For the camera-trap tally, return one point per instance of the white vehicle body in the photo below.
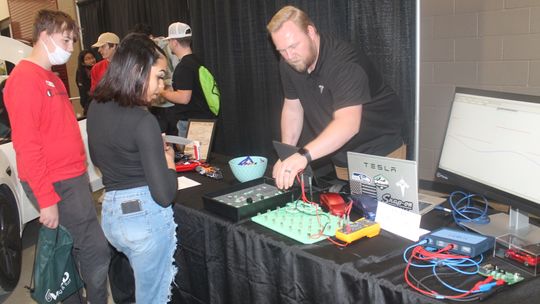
(8, 163)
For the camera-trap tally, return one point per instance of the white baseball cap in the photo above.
(178, 30)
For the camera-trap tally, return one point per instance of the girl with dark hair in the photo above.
(138, 168)
(85, 63)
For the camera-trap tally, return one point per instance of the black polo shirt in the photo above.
(344, 76)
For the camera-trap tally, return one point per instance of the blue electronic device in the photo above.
(464, 243)
(365, 205)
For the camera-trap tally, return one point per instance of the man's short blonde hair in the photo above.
(289, 13)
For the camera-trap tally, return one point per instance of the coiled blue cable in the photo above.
(464, 211)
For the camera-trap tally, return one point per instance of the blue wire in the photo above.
(410, 247)
(450, 286)
(464, 211)
(452, 263)
(462, 263)
(446, 284)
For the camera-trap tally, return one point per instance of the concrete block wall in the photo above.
(487, 44)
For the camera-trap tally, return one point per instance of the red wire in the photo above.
(321, 230)
(406, 275)
(420, 253)
(337, 243)
(306, 200)
(349, 208)
(428, 255)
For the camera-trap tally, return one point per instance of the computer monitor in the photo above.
(492, 148)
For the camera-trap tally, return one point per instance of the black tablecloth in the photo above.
(225, 262)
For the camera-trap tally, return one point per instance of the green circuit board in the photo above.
(500, 274)
(303, 222)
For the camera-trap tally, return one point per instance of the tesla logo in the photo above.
(402, 185)
(380, 167)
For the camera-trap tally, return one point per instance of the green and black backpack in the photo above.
(210, 89)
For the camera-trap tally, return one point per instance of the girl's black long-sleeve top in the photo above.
(125, 143)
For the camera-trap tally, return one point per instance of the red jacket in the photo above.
(97, 72)
(45, 132)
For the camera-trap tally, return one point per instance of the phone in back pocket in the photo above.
(131, 206)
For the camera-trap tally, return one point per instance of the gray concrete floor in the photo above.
(21, 295)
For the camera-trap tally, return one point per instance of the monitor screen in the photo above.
(492, 147)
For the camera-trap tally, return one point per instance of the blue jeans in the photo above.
(147, 237)
(182, 126)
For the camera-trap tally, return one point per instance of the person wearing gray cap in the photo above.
(107, 44)
(186, 92)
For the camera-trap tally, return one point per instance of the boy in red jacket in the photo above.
(51, 160)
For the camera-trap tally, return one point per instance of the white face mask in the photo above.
(58, 56)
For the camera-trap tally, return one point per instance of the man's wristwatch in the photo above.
(305, 153)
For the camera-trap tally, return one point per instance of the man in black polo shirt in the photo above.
(333, 94)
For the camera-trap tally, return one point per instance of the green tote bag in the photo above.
(55, 275)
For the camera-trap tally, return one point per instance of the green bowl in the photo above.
(246, 168)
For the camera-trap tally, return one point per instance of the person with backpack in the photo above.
(162, 109)
(194, 90)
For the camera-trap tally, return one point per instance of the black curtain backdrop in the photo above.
(230, 37)
(120, 16)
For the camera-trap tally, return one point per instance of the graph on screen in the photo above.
(495, 141)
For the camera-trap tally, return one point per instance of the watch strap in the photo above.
(305, 153)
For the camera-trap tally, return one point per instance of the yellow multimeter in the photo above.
(359, 229)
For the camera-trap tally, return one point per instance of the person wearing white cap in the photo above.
(107, 44)
(186, 91)
(162, 109)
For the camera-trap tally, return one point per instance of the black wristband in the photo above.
(305, 153)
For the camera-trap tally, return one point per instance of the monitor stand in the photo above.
(516, 223)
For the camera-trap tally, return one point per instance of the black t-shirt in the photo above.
(344, 76)
(125, 143)
(186, 77)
